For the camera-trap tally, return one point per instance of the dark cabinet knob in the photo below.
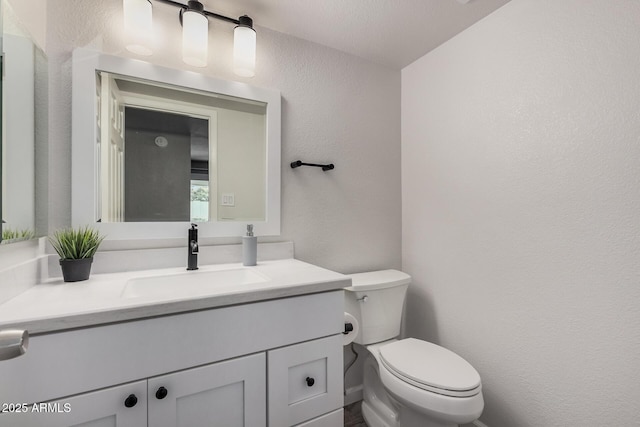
(161, 393)
(348, 327)
(310, 381)
(131, 401)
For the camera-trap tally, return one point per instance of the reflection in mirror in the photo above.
(166, 158)
(2, 235)
(157, 148)
(24, 70)
(170, 154)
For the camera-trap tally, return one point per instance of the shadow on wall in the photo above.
(420, 313)
(498, 404)
(354, 375)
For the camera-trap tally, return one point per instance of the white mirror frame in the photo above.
(84, 177)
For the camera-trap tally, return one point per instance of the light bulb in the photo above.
(138, 24)
(195, 38)
(244, 51)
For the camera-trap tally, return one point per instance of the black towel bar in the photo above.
(299, 163)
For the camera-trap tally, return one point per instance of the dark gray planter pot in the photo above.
(76, 270)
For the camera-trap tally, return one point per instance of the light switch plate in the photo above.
(228, 199)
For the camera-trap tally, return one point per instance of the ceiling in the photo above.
(390, 32)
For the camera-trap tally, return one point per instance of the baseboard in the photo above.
(479, 423)
(354, 394)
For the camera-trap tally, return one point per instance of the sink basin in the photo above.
(191, 283)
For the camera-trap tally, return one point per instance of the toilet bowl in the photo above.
(408, 382)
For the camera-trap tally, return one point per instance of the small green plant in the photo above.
(76, 243)
(10, 234)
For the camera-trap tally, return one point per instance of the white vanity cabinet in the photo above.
(230, 393)
(121, 406)
(208, 367)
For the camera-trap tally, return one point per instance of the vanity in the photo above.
(259, 346)
(226, 345)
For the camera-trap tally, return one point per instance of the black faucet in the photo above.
(192, 248)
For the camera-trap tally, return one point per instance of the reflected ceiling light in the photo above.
(161, 141)
(195, 35)
(138, 25)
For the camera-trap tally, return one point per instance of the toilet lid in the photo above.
(430, 367)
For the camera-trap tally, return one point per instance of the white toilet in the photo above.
(409, 382)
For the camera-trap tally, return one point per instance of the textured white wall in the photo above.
(521, 201)
(336, 108)
(32, 15)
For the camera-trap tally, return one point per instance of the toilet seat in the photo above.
(430, 367)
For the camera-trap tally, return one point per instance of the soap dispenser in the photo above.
(249, 247)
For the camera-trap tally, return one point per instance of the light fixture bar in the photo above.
(205, 12)
(195, 35)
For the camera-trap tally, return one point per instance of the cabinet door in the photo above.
(122, 406)
(305, 380)
(229, 394)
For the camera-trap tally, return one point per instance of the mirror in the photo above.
(156, 148)
(176, 155)
(24, 74)
(2, 168)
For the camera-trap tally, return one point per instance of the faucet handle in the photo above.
(193, 239)
(192, 246)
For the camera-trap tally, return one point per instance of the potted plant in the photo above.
(76, 248)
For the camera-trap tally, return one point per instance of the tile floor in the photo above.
(353, 416)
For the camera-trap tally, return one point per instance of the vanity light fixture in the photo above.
(138, 25)
(244, 47)
(195, 35)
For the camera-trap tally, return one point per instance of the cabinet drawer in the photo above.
(305, 380)
(333, 419)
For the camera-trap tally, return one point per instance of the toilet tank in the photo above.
(376, 300)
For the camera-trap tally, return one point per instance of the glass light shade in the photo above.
(195, 38)
(138, 25)
(244, 51)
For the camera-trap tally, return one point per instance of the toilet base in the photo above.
(406, 417)
(410, 418)
(373, 419)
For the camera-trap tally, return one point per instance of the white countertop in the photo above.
(55, 305)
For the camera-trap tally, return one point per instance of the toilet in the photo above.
(407, 382)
